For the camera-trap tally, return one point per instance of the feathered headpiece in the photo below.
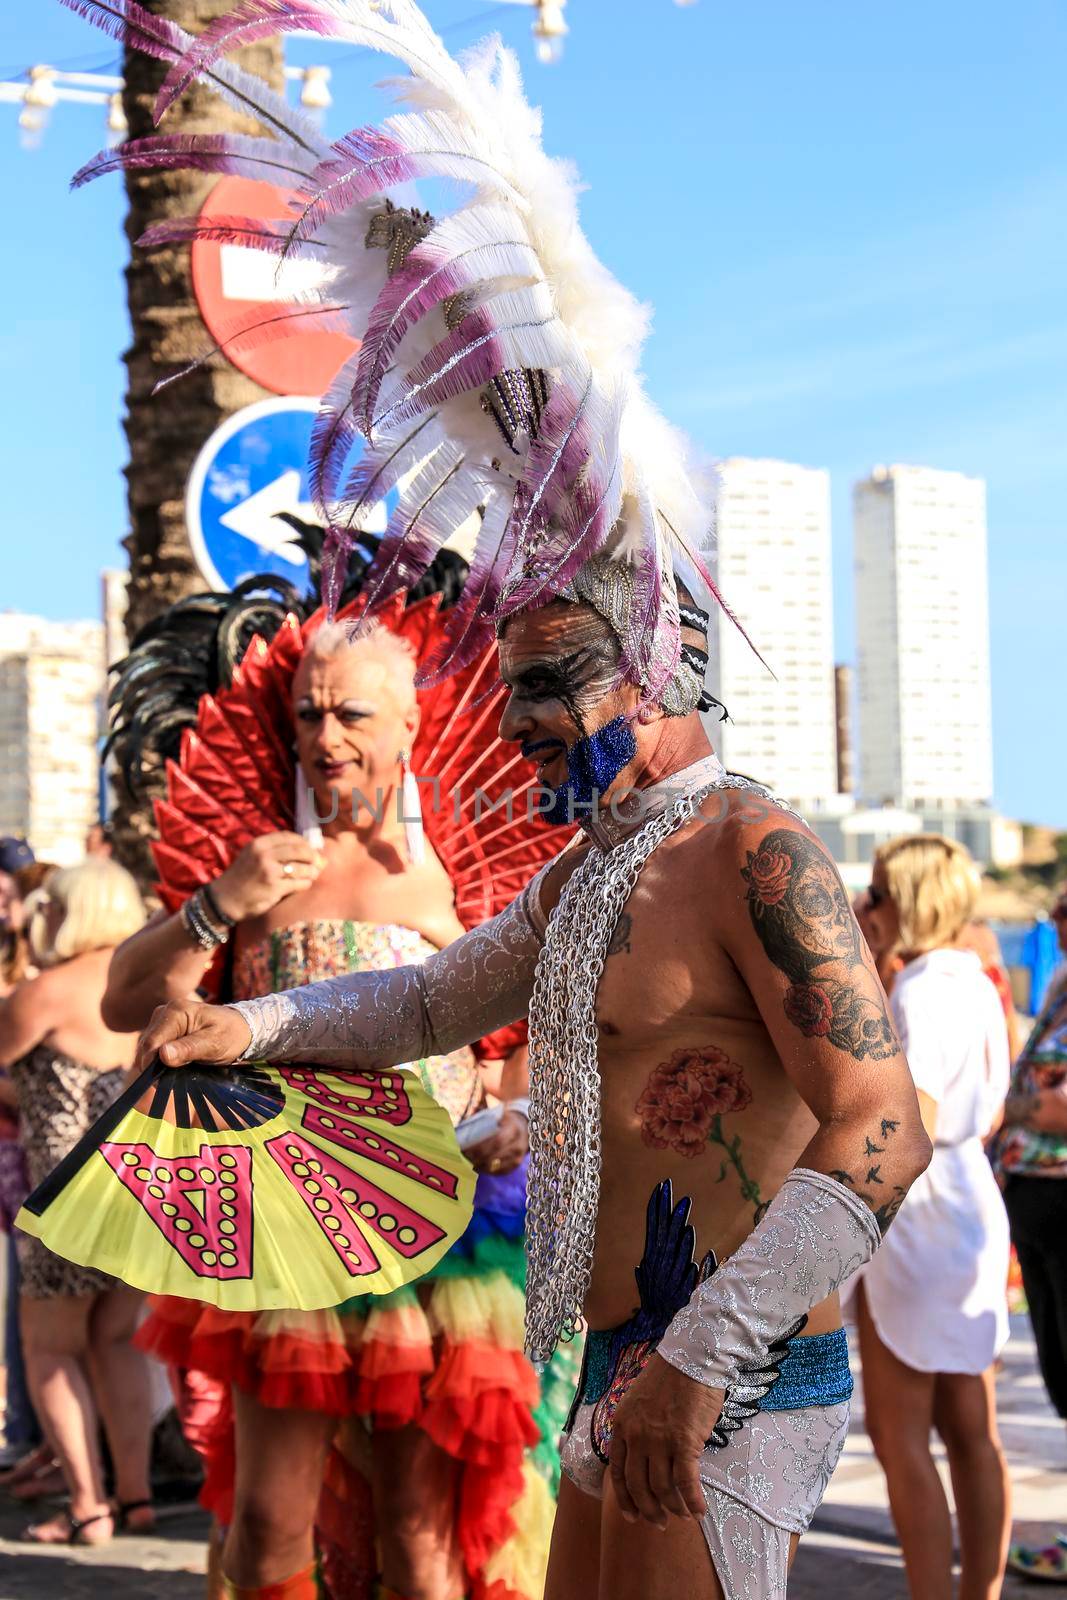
(497, 377)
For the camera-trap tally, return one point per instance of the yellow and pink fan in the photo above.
(260, 1187)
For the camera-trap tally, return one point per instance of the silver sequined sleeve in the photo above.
(815, 1234)
(479, 983)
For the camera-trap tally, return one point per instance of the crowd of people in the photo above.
(272, 1403)
(711, 1112)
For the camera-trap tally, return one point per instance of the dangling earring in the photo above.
(307, 823)
(414, 837)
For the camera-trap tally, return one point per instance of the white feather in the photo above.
(547, 300)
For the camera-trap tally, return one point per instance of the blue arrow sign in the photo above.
(253, 467)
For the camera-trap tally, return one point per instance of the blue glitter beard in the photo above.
(593, 764)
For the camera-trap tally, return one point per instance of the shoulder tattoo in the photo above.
(804, 922)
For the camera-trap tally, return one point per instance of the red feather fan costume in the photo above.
(446, 1356)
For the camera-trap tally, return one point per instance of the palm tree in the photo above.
(165, 431)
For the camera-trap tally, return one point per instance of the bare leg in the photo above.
(55, 1337)
(215, 1582)
(574, 1557)
(415, 1487)
(638, 1562)
(965, 1416)
(899, 1403)
(123, 1393)
(281, 1457)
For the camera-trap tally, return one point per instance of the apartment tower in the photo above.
(771, 559)
(922, 635)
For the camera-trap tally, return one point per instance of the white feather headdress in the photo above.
(498, 368)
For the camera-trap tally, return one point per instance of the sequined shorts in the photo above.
(764, 1483)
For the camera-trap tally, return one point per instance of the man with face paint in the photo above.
(722, 1124)
(714, 1079)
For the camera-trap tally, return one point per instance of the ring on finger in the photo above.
(287, 870)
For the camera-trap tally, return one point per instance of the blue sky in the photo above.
(849, 218)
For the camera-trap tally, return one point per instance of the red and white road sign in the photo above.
(237, 285)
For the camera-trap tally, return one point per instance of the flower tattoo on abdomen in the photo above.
(803, 920)
(682, 1106)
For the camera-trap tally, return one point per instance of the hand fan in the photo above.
(258, 1187)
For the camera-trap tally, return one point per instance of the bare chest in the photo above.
(665, 965)
(373, 888)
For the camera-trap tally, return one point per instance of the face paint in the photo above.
(568, 706)
(593, 764)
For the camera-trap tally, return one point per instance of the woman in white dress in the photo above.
(931, 1306)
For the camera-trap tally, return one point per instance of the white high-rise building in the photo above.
(772, 564)
(51, 691)
(922, 630)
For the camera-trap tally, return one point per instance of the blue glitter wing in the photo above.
(666, 1278)
(667, 1274)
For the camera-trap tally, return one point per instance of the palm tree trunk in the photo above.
(165, 431)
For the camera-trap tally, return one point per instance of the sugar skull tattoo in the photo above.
(802, 918)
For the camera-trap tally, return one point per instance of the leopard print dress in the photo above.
(59, 1099)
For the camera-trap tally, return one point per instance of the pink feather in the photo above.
(716, 594)
(333, 568)
(199, 152)
(139, 29)
(422, 283)
(131, 25)
(250, 334)
(470, 622)
(253, 20)
(258, 235)
(332, 436)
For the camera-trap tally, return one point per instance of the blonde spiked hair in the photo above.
(934, 884)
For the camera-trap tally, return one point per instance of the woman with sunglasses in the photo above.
(932, 1305)
(1031, 1154)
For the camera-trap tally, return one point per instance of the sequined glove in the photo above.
(479, 983)
(815, 1235)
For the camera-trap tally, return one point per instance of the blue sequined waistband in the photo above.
(814, 1371)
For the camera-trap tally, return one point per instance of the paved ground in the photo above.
(850, 1552)
(168, 1567)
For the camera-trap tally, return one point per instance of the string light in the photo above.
(549, 30)
(44, 87)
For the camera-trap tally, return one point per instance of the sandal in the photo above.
(1047, 1565)
(126, 1508)
(37, 1533)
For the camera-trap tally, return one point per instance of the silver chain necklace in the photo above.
(563, 1191)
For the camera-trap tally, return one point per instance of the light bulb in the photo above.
(549, 30)
(41, 90)
(116, 118)
(315, 93)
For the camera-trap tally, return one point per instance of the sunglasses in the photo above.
(876, 897)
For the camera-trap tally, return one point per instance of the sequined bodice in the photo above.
(306, 952)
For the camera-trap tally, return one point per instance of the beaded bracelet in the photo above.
(220, 918)
(199, 924)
